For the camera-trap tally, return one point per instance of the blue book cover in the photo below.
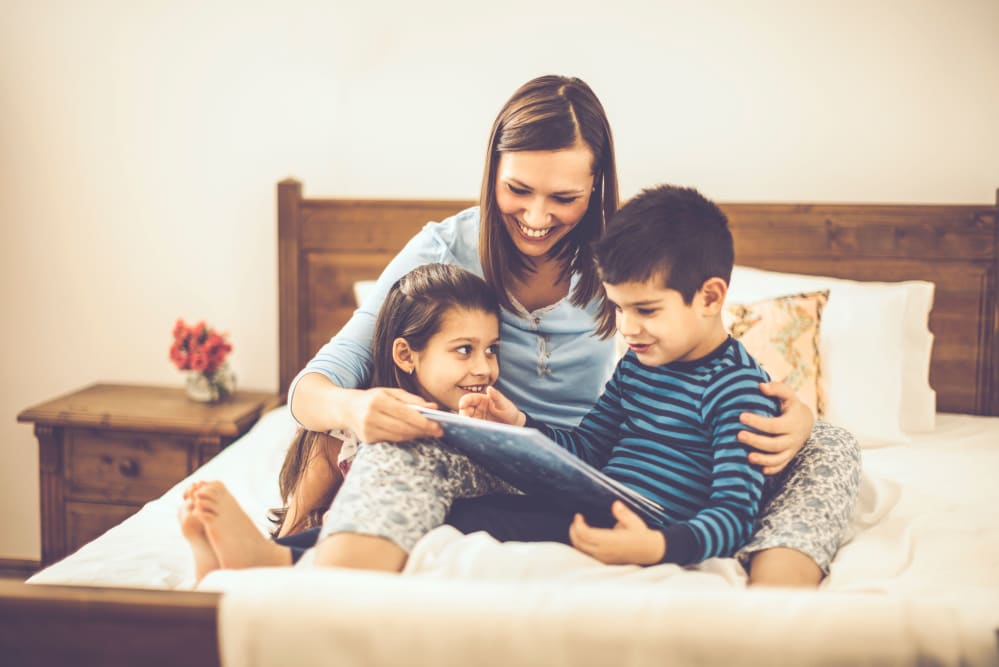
(532, 462)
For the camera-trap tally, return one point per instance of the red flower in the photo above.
(198, 361)
(199, 347)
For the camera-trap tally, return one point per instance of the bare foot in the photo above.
(194, 532)
(235, 539)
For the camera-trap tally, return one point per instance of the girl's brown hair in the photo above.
(307, 451)
(414, 309)
(550, 113)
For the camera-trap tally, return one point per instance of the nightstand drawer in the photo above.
(122, 467)
(85, 521)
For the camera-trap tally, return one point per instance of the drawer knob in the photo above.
(129, 468)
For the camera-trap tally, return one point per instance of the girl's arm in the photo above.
(781, 437)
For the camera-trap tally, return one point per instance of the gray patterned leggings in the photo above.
(402, 491)
(808, 505)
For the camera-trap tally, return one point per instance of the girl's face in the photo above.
(542, 195)
(459, 359)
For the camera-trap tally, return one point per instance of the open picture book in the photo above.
(532, 462)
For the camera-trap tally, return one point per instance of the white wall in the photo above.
(140, 143)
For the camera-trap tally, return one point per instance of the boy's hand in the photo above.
(629, 542)
(492, 406)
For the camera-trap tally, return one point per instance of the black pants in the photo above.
(299, 542)
(508, 518)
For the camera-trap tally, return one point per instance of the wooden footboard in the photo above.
(76, 625)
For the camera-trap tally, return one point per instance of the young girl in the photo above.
(436, 339)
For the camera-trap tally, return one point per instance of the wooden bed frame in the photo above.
(325, 245)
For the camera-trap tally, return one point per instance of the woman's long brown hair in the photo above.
(550, 113)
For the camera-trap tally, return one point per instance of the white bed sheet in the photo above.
(147, 550)
(918, 581)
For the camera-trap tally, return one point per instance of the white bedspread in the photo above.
(919, 581)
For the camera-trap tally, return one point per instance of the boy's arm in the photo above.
(592, 440)
(726, 523)
(597, 434)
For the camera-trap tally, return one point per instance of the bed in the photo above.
(917, 583)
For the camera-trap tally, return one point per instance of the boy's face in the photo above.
(658, 326)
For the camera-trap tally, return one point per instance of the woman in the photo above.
(549, 185)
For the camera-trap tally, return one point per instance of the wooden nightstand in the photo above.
(106, 450)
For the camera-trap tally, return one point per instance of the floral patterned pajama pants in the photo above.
(808, 505)
(402, 491)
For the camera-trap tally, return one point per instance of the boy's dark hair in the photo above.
(668, 232)
(414, 309)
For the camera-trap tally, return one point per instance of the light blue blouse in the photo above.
(552, 366)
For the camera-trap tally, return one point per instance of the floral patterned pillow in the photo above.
(782, 333)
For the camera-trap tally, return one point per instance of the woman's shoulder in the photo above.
(455, 229)
(459, 234)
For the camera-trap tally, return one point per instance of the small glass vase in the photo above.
(210, 388)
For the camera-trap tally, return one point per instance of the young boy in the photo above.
(667, 421)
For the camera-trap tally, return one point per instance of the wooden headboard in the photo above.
(325, 245)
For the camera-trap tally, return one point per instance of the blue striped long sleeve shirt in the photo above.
(669, 433)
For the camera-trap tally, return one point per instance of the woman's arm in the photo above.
(326, 394)
(786, 433)
(373, 415)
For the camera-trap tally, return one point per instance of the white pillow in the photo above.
(875, 348)
(919, 400)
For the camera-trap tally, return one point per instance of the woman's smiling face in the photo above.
(542, 195)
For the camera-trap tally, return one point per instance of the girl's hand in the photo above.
(787, 432)
(383, 414)
(492, 406)
(629, 542)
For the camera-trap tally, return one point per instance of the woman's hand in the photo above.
(779, 437)
(492, 406)
(629, 542)
(381, 414)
